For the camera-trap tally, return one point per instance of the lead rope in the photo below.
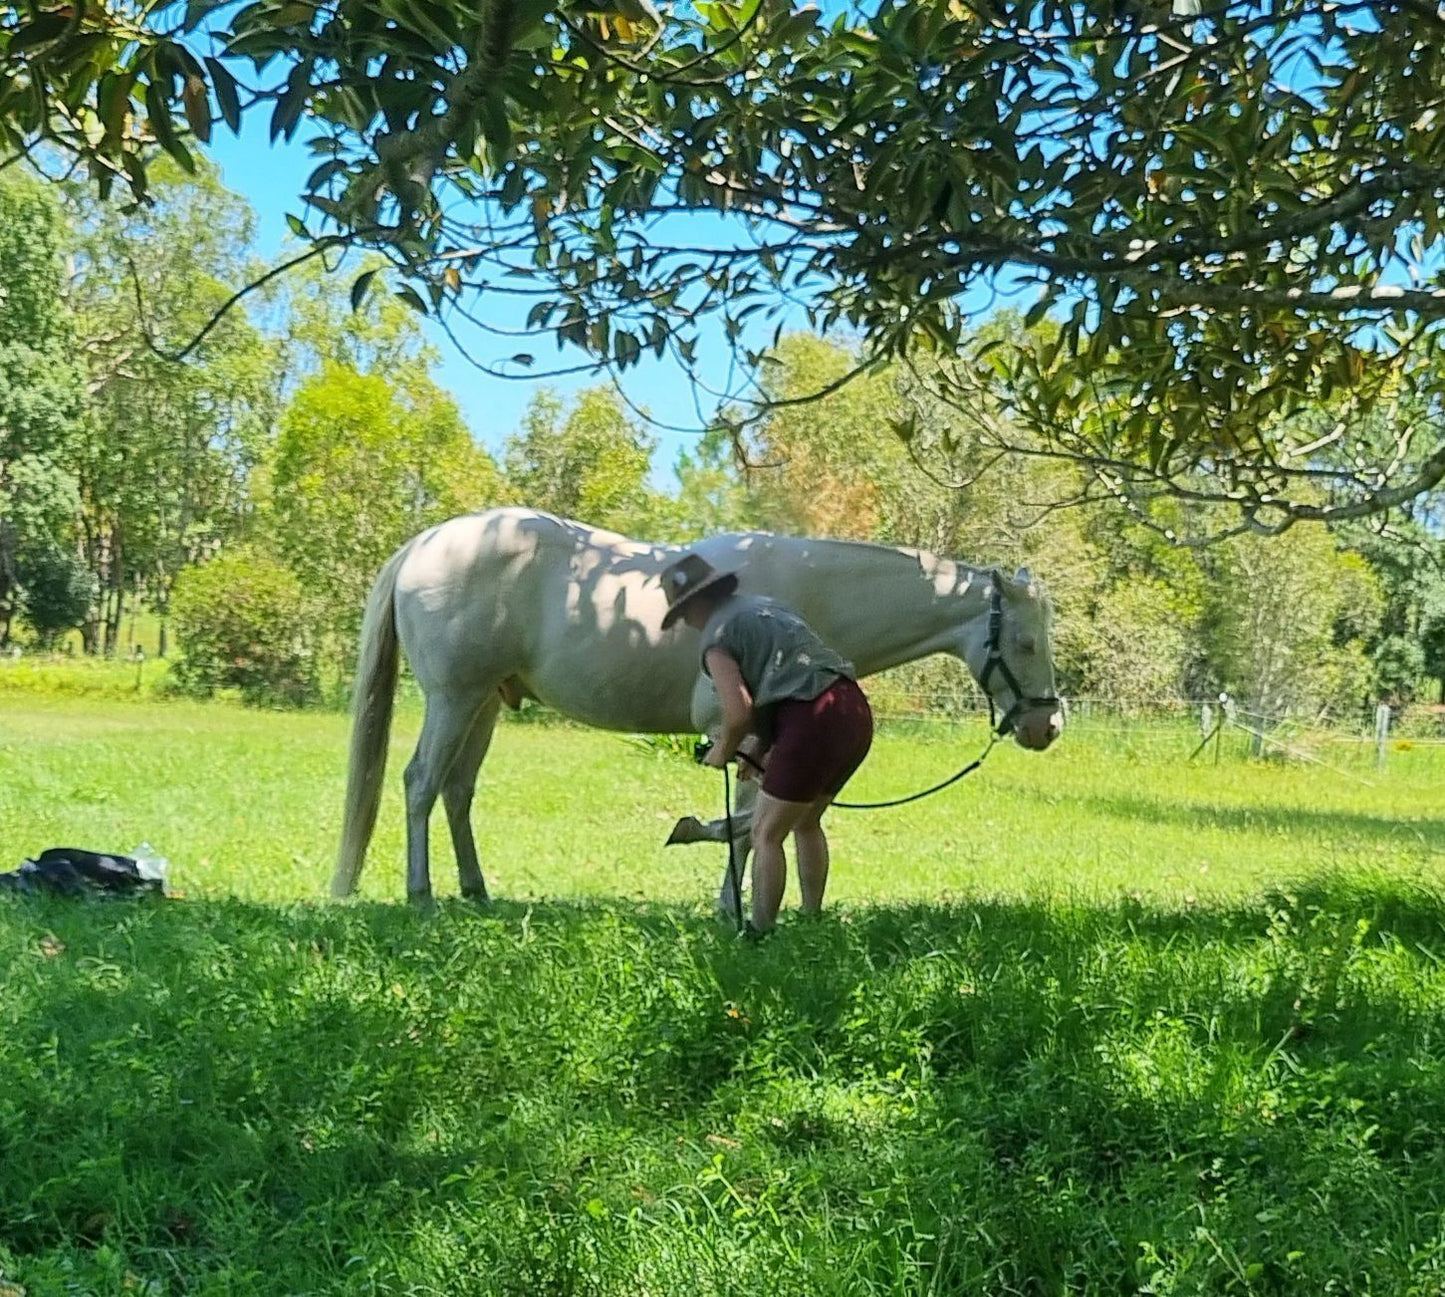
(927, 792)
(734, 874)
(733, 871)
(952, 779)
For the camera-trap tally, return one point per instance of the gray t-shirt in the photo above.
(775, 649)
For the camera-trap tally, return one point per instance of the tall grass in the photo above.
(1097, 1021)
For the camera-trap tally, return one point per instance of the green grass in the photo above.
(1094, 1021)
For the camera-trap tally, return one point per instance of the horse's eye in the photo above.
(1027, 643)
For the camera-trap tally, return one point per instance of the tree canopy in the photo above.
(1233, 211)
(40, 397)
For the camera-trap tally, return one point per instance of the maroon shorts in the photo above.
(818, 743)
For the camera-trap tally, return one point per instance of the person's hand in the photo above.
(751, 761)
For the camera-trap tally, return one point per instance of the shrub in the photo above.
(58, 589)
(241, 624)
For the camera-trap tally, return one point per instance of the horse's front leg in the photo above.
(729, 900)
(706, 718)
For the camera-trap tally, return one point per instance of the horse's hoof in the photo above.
(477, 895)
(422, 902)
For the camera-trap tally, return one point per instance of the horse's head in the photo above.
(1013, 660)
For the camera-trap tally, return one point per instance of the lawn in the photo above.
(1099, 1020)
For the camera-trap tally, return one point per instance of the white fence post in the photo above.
(1382, 733)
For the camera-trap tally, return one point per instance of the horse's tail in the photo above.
(376, 671)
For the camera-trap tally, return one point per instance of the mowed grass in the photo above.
(1097, 1020)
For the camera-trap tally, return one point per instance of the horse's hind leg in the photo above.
(457, 791)
(444, 732)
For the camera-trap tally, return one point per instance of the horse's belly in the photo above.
(647, 696)
(613, 708)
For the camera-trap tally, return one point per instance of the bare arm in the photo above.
(737, 704)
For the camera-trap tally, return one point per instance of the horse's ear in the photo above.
(1023, 577)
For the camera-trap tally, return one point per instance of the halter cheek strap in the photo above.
(994, 662)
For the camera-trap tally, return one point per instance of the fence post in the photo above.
(1382, 733)
(1219, 729)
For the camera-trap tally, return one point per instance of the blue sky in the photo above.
(271, 177)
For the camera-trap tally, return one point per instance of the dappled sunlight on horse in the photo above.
(512, 603)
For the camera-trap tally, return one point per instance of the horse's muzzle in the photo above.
(1038, 728)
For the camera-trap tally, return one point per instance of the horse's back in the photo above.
(568, 613)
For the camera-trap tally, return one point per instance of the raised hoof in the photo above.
(687, 829)
(690, 829)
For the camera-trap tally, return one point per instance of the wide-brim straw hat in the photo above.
(689, 577)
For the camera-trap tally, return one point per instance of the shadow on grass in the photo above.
(986, 1094)
(1424, 831)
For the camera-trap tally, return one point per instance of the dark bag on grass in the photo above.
(71, 871)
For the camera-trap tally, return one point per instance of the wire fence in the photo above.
(1361, 746)
(937, 699)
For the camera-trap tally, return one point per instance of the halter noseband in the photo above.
(995, 662)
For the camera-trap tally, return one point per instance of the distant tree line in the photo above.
(245, 498)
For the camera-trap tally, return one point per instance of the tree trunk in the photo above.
(7, 579)
(115, 597)
(115, 612)
(94, 550)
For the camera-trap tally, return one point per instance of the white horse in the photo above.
(513, 603)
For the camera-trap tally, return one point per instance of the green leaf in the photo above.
(228, 99)
(158, 115)
(1038, 310)
(625, 348)
(359, 287)
(294, 14)
(45, 28)
(496, 127)
(326, 171)
(197, 105)
(113, 103)
(286, 116)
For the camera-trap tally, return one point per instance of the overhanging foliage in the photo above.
(1234, 212)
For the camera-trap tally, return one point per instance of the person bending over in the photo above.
(791, 704)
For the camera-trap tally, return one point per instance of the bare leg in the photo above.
(457, 793)
(773, 820)
(443, 732)
(812, 847)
